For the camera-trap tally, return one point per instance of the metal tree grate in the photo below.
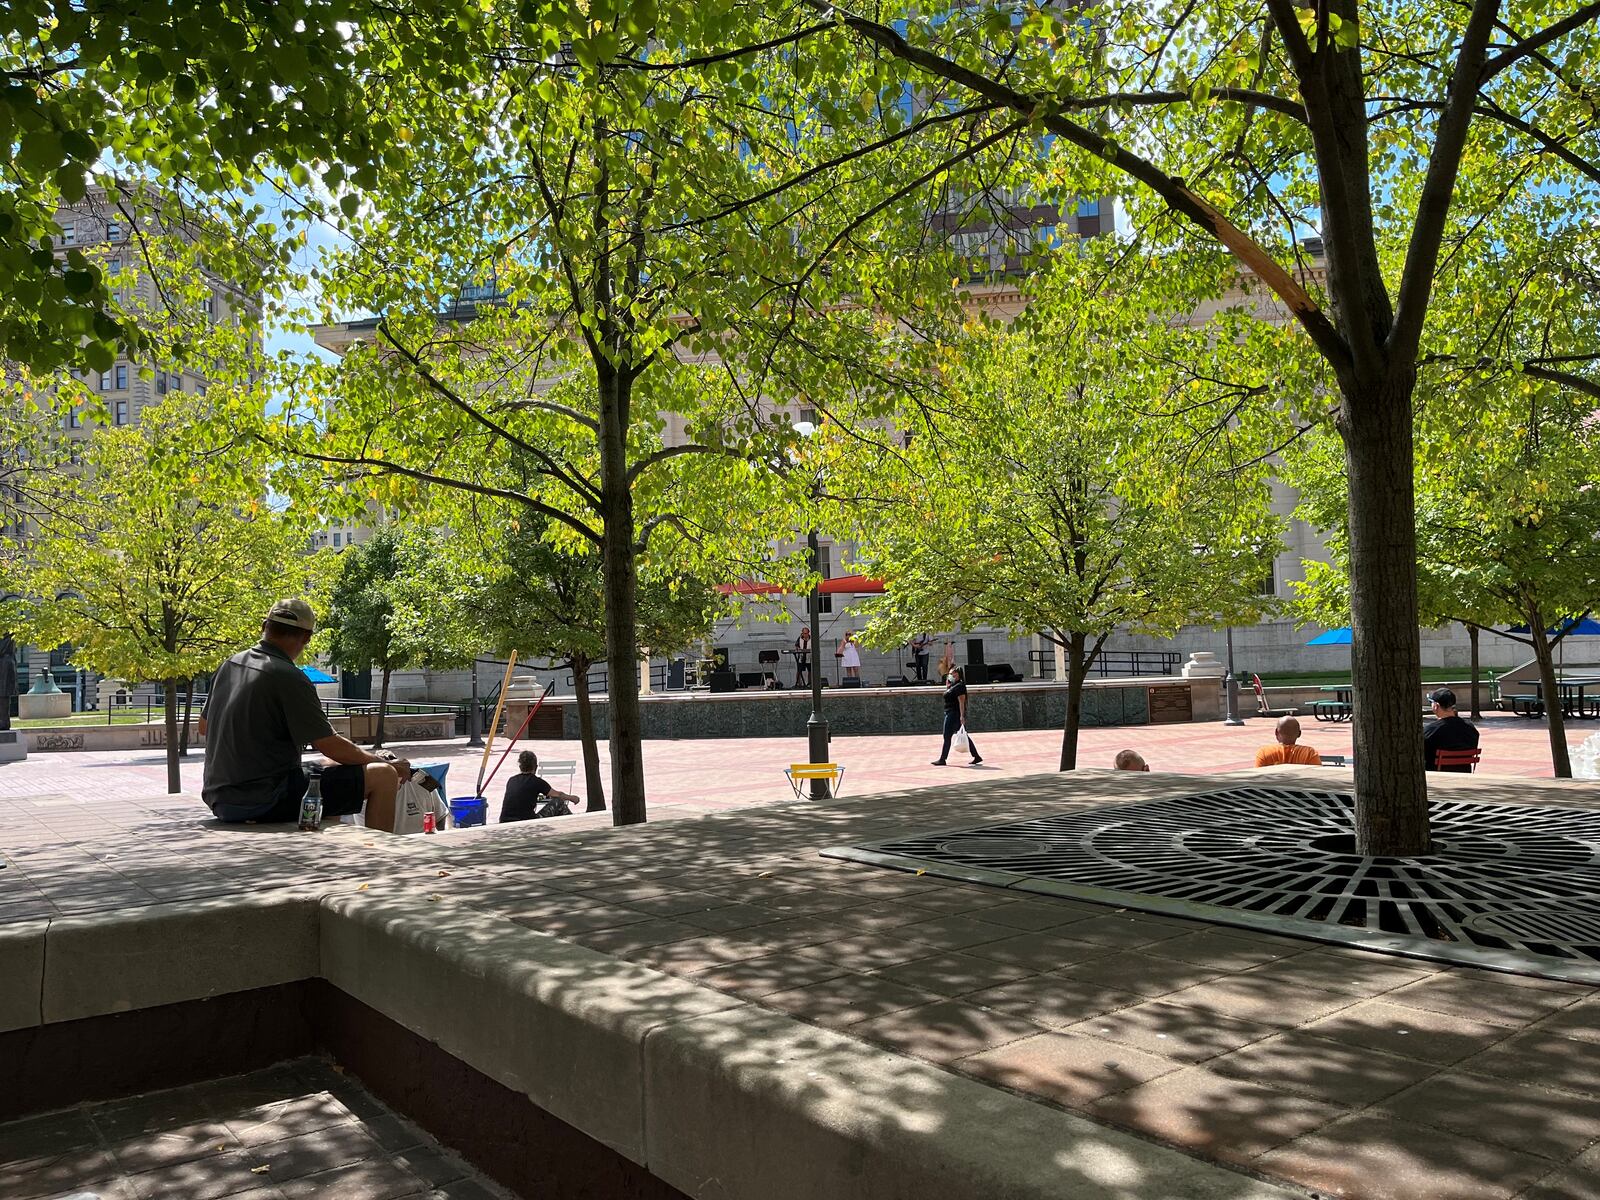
(1512, 887)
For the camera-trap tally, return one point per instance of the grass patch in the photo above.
(79, 719)
(1342, 678)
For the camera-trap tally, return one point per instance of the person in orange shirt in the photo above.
(1287, 750)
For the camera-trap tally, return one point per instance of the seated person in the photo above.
(262, 709)
(524, 791)
(1286, 750)
(1130, 760)
(1447, 731)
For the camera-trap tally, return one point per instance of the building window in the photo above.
(122, 377)
(113, 231)
(105, 381)
(825, 569)
(174, 381)
(69, 233)
(1269, 582)
(210, 304)
(336, 541)
(120, 412)
(74, 418)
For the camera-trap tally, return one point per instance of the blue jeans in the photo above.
(952, 722)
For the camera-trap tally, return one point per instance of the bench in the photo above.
(1331, 710)
(1525, 704)
(799, 774)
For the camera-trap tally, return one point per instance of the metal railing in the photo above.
(1119, 662)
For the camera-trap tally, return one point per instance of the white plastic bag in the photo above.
(411, 803)
(959, 742)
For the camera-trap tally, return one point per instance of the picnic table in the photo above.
(1574, 703)
(1337, 709)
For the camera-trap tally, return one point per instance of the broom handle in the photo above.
(499, 705)
(511, 745)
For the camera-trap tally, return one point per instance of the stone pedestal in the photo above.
(520, 697)
(1203, 664)
(12, 746)
(33, 705)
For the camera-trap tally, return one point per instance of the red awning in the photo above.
(845, 585)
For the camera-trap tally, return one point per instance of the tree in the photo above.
(1507, 514)
(600, 299)
(160, 556)
(360, 630)
(182, 99)
(1096, 470)
(1402, 134)
(500, 586)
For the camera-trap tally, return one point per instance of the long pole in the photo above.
(499, 705)
(1231, 687)
(816, 727)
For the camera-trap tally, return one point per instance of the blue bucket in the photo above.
(466, 811)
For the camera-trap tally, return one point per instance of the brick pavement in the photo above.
(1352, 1073)
(297, 1130)
(721, 773)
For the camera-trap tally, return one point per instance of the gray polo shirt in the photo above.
(261, 711)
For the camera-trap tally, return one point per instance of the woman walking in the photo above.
(955, 715)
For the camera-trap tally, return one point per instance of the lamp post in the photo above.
(1230, 687)
(816, 726)
(475, 716)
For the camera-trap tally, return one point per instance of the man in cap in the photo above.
(1449, 730)
(262, 709)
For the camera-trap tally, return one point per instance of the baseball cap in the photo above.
(294, 612)
(1443, 697)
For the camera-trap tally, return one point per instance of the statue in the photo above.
(8, 678)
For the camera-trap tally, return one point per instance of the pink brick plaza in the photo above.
(733, 773)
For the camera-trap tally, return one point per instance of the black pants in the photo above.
(344, 792)
(952, 722)
(922, 667)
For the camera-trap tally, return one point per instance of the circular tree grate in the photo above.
(1512, 886)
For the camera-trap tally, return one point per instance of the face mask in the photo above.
(949, 678)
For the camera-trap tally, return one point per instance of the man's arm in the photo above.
(343, 750)
(564, 797)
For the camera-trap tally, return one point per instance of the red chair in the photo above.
(1262, 708)
(1445, 760)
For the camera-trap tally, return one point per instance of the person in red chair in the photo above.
(1286, 750)
(1447, 731)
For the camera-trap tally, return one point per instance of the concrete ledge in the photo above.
(750, 1104)
(166, 953)
(21, 974)
(560, 1023)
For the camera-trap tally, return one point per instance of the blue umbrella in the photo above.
(1584, 626)
(1334, 637)
(318, 675)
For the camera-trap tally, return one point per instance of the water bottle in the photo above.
(311, 806)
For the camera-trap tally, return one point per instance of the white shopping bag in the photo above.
(959, 742)
(412, 803)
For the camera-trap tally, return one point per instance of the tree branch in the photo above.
(1177, 195)
(1433, 206)
(1529, 45)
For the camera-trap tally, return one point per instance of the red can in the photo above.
(427, 822)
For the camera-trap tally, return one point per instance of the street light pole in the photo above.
(816, 727)
(475, 717)
(1230, 685)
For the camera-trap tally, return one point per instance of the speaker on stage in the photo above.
(977, 672)
(724, 681)
(974, 650)
(675, 675)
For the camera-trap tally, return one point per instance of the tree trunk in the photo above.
(169, 689)
(594, 786)
(188, 713)
(1472, 640)
(621, 577)
(383, 709)
(1555, 719)
(1386, 661)
(1077, 671)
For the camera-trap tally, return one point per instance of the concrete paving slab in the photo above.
(746, 1103)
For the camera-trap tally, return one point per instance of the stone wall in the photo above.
(859, 711)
